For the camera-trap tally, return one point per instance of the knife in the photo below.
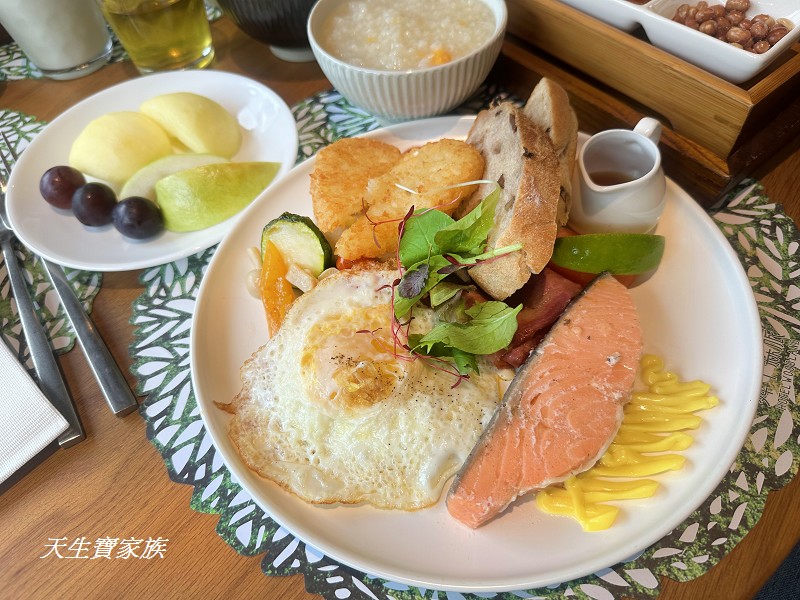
(44, 362)
(116, 391)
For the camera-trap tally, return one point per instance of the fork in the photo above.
(113, 385)
(44, 362)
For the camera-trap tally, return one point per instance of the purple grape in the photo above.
(93, 203)
(138, 218)
(58, 184)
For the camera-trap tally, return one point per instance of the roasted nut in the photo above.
(709, 27)
(761, 46)
(759, 30)
(776, 34)
(730, 23)
(766, 19)
(737, 35)
(742, 5)
(704, 14)
(735, 16)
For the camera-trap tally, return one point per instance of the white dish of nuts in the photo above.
(733, 39)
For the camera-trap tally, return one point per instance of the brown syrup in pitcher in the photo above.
(606, 178)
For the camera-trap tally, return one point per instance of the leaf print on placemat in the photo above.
(20, 129)
(767, 243)
(762, 235)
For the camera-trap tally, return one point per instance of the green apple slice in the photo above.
(617, 253)
(204, 196)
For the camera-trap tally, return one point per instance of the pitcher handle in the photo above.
(649, 128)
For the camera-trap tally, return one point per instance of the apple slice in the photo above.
(201, 124)
(204, 196)
(143, 182)
(116, 145)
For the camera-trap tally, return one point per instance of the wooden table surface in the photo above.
(115, 482)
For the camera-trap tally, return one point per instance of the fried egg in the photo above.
(331, 412)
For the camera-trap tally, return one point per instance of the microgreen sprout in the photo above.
(433, 246)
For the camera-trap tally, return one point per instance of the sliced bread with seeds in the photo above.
(521, 159)
(548, 107)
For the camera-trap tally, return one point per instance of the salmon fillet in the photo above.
(562, 409)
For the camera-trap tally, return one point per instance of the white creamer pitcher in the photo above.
(622, 185)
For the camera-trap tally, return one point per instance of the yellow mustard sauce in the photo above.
(652, 432)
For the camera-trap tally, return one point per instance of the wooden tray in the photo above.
(717, 132)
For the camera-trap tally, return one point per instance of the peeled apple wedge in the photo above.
(204, 196)
(116, 145)
(143, 182)
(197, 122)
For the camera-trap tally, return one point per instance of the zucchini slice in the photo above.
(300, 242)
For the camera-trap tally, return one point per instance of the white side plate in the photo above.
(269, 134)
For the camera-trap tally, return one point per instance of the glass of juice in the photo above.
(161, 35)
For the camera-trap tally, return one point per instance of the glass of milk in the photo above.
(65, 39)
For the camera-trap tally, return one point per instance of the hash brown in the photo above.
(431, 171)
(340, 175)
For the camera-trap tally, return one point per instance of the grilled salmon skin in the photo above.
(562, 409)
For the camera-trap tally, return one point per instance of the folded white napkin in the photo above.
(28, 422)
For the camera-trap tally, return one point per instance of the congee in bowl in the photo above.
(407, 60)
(398, 36)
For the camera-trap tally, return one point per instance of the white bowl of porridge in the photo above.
(410, 59)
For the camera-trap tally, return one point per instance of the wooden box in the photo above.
(716, 132)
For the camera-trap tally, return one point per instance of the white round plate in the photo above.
(269, 134)
(697, 312)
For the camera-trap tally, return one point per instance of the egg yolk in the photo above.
(352, 358)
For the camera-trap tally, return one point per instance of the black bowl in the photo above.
(281, 24)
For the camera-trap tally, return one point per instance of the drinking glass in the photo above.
(161, 35)
(65, 39)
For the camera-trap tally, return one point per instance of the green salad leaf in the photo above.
(490, 328)
(469, 234)
(433, 246)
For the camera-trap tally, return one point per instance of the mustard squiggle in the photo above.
(653, 431)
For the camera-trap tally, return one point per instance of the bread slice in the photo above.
(520, 157)
(341, 173)
(548, 107)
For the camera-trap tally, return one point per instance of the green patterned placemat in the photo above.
(20, 129)
(767, 243)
